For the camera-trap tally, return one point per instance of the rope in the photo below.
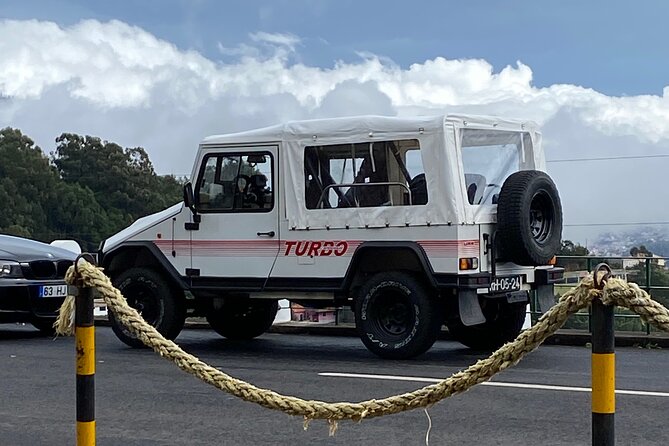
(615, 292)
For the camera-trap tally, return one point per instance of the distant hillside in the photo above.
(656, 240)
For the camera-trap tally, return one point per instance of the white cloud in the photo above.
(122, 83)
(287, 40)
(113, 64)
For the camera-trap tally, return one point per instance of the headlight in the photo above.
(10, 270)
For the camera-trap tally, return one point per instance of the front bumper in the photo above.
(20, 300)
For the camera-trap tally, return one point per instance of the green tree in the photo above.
(120, 179)
(86, 191)
(26, 184)
(570, 249)
(641, 251)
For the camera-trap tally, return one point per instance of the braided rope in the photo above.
(615, 292)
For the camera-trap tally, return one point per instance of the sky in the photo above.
(162, 74)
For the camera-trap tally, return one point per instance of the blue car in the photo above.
(32, 285)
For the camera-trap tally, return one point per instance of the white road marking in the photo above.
(490, 383)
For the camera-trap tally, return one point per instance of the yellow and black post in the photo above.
(85, 344)
(603, 370)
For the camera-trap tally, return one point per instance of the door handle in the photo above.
(266, 234)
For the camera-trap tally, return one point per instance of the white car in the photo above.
(413, 222)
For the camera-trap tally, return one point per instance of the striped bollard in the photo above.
(85, 346)
(603, 369)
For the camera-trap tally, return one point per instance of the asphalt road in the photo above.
(144, 400)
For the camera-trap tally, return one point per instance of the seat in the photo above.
(418, 188)
(258, 188)
(476, 185)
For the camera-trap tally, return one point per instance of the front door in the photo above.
(237, 239)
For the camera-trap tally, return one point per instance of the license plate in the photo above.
(505, 284)
(53, 291)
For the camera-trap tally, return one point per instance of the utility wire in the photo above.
(642, 223)
(607, 158)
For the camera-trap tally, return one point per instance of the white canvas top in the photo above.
(333, 128)
(439, 138)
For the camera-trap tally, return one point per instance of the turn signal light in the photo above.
(469, 263)
(553, 261)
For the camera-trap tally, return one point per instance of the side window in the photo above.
(369, 174)
(488, 158)
(235, 183)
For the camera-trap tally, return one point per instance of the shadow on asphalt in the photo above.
(19, 331)
(309, 349)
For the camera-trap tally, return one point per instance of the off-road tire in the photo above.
(396, 315)
(504, 321)
(242, 319)
(529, 219)
(156, 299)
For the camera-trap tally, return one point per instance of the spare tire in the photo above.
(529, 219)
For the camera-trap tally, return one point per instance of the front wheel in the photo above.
(155, 299)
(396, 316)
(504, 322)
(242, 319)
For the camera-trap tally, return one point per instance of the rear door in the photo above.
(237, 240)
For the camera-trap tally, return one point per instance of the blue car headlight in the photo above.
(10, 270)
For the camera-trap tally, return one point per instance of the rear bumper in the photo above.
(541, 276)
(548, 276)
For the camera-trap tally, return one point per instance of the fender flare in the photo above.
(413, 247)
(105, 259)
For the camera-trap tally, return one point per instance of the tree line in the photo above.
(86, 189)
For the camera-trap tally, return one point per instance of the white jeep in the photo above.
(412, 222)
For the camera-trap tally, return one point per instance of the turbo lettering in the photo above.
(319, 248)
(315, 246)
(289, 246)
(327, 248)
(342, 247)
(301, 248)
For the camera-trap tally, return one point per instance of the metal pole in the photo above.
(589, 268)
(85, 345)
(648, 285)
(603, 375)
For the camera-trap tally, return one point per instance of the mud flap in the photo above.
(470, 309)
(545, 297)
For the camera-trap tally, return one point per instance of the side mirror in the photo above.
(189, 199)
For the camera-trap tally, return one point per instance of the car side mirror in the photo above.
(189, 199)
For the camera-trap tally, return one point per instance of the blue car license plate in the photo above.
(53, 291)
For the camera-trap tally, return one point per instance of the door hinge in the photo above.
(193, 272)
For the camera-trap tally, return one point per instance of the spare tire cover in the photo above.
(529, 219)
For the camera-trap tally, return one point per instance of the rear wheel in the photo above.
(397, 316)
(242, 319)
(504, 321)
(155, 299)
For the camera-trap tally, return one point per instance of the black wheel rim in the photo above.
(541, 217)
(144, 299)
(392, 313)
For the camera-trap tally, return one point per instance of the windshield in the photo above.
(488, 158)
